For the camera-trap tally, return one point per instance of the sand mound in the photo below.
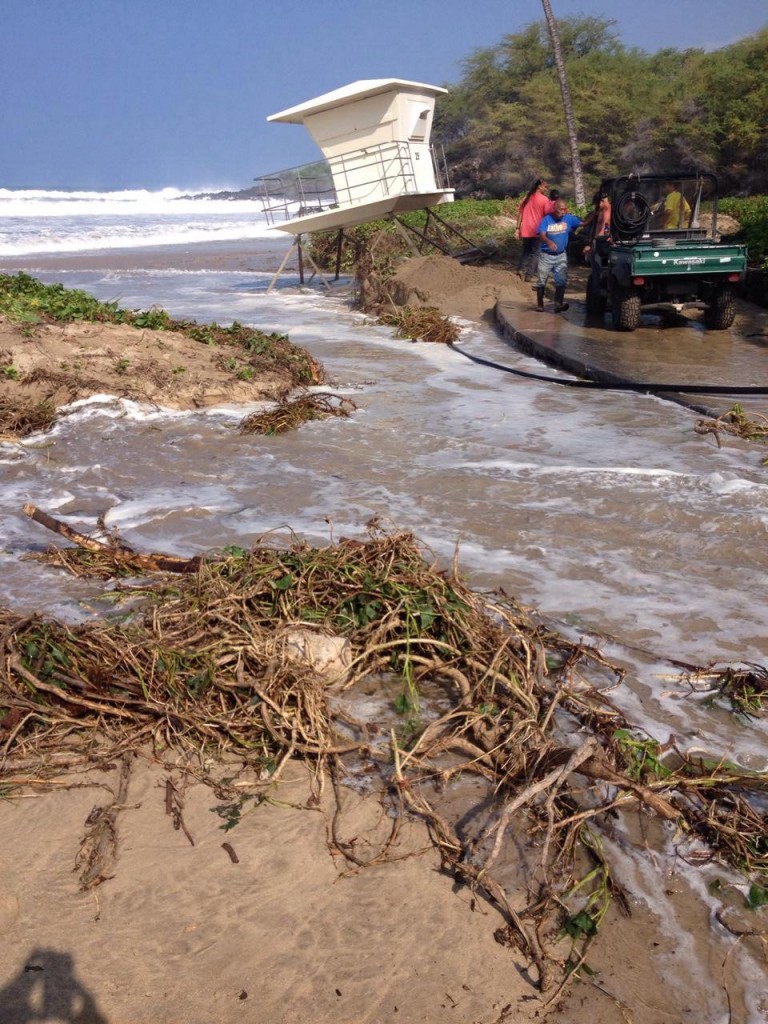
(457, 290)
(64, 362)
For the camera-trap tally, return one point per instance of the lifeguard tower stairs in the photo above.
(377, 162)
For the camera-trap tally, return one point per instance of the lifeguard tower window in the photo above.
(419, 132)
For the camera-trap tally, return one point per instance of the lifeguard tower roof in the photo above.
(349, 93)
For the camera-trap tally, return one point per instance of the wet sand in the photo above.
(261, 255)
(183, 933)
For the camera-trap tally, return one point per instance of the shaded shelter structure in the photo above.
(375, 139)
(378, 161)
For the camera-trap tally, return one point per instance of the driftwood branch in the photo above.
(98, 849)
(122, 554)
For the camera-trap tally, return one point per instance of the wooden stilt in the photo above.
(303, 255)
(377, 238)
(408, 238)
(317, 271)
(339, 243)
(279, 270)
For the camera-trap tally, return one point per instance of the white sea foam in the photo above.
(730, 484)
(36, 222)
(610, 472)
(164, 502)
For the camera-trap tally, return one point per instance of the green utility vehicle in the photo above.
(663, 253)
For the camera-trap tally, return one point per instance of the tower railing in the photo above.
(350, 179)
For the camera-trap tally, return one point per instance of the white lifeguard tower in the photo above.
(375, 139)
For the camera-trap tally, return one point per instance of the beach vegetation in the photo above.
(420, 323)
(640, 756)
(744, 688)
(19, 418)
(751, 214)
(249, 354)
(200, 662)
(591, 897)
(757, 896)
(23, 299)
(738, 423)
(233, 811)
(154, 319)
(290, 413)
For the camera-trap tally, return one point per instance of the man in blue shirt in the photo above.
(554, 231)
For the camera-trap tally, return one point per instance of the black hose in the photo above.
(631, 213)
(596, 385)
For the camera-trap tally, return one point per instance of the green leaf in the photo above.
(757, 896)
(427, 616)
(581, 924)
(284, 583)
(404, 704)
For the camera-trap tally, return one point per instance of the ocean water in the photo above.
(35, 221)
(604, 511)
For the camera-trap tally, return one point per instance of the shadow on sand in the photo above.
(46, 989)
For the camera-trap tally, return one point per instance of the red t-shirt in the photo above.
(531, 215)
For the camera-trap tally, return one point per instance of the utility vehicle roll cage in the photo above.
(661, 205)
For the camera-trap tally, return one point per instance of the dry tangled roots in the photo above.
(216, 660)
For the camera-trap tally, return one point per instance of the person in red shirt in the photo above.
(532, 209)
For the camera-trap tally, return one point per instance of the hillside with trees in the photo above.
(502, 124)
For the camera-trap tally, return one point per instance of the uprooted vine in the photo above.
(204, 660)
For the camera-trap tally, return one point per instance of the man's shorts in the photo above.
(556, 264)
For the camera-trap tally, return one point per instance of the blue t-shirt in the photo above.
(558, 230)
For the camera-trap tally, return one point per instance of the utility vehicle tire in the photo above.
(625, 309)
(721, 312)
(595, 301)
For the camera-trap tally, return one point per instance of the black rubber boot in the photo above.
(560, 306)
(540, 299)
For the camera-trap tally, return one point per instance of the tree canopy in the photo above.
(502, 124)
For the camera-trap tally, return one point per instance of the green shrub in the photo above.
(752, 215)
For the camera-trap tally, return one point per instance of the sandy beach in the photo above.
(266, 923)
(183, 933)
(259, 255)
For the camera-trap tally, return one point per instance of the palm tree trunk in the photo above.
(570, 121)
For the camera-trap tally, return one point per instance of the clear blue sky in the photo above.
(148, 93)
